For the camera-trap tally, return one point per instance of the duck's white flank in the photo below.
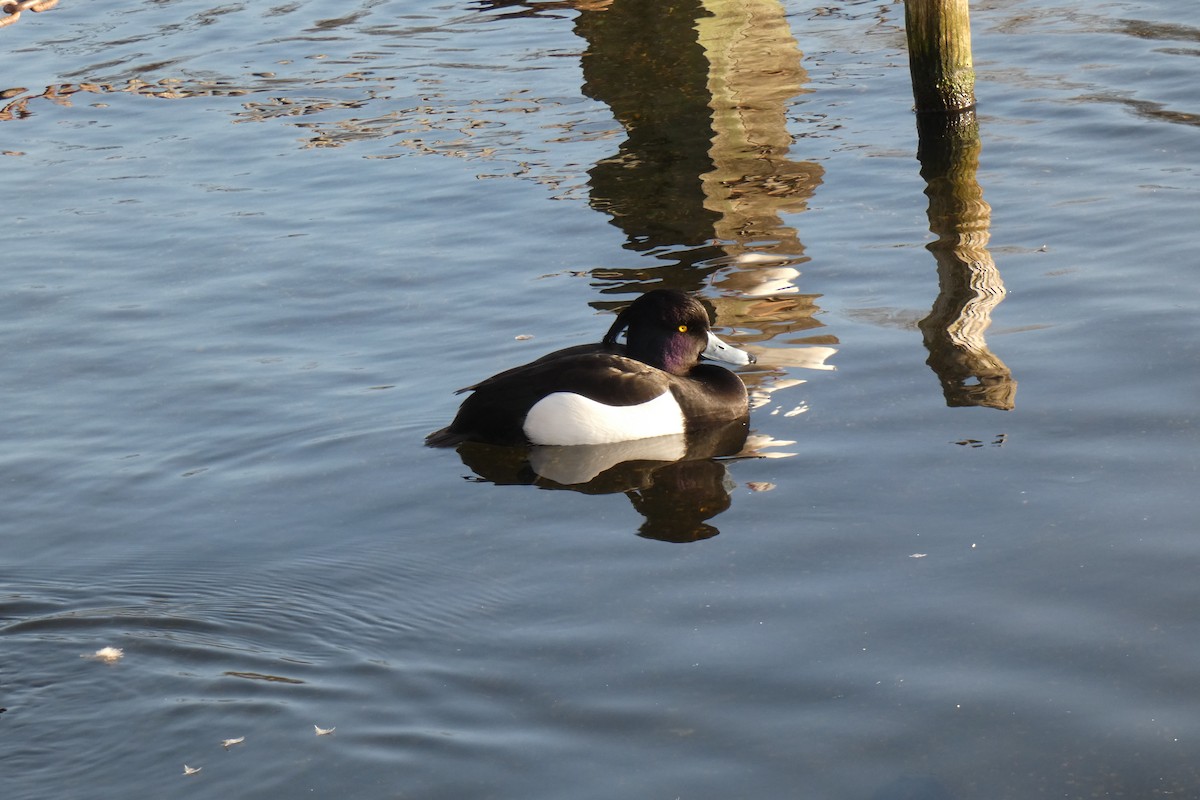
(567, 418)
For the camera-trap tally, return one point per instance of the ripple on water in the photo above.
(237, 651)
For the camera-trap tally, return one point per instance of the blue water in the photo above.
(250, 251)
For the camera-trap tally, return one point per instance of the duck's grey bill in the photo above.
(722, 351)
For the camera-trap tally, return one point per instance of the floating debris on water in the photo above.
(109, 654)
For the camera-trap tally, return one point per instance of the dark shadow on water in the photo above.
(678, 483)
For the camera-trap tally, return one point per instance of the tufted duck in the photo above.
(596, 394)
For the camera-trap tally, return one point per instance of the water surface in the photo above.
(252, 250)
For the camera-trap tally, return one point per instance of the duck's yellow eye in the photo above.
(683, 328)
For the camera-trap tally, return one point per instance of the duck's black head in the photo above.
(668, 329)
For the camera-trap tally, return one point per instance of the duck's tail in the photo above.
(445, 438)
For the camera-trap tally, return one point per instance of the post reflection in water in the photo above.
(969, 284)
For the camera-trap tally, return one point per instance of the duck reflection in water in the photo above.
(676, 482)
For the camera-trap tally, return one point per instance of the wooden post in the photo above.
(939, 54)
